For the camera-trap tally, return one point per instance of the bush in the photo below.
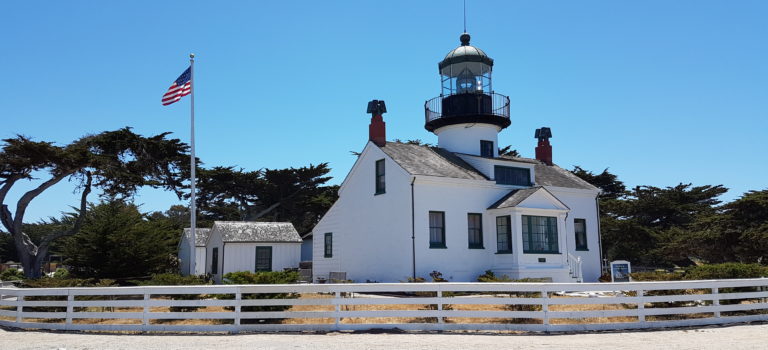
(61, 273)
(11, 274)
(273, 277)
(172, 279)
(489, 276)
(48, 282)
(726, 271)
(656, 276)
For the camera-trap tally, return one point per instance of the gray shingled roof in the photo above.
(201, 235)
(430, 161)
(433, 161)
(253, 231)
(514, 197)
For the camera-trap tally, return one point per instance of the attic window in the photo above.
(381, 185)
(486, 149)
(507, 175)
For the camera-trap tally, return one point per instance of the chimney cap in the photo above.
(377, 107)
(543, 133)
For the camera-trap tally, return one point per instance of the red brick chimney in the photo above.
(544, 149)
(377, 130)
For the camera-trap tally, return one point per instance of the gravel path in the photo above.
(731, 338)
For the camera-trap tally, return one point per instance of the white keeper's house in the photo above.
(405, 210)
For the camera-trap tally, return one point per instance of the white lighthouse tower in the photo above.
(468, 115)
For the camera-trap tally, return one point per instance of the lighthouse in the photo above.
(468, 115)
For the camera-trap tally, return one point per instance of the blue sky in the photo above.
(660, 92)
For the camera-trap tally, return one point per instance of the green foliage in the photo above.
(656, 276)
(489, 276)
(298, 195)
(11, 274)
(726, 271)
(271, 277)
(266, 277)
(47, 282)
(61, 273)
(174, 279)
(117, 241)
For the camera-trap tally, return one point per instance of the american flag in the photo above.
(180, 88)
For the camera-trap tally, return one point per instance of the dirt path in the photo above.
(730, 338)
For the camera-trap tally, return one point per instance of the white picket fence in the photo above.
(408, 306)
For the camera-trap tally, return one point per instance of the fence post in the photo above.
(238, 299)
(337, 308)
(70, 309)
(716, 301)
(145, 313)
(440, 319)
(640, 306)
(19, 308)
(545, 308)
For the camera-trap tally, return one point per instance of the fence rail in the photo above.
(409, 306)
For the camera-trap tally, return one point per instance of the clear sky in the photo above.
(659, 91)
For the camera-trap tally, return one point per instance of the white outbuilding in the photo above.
(251, 246)
(201, 236)
(460, 208)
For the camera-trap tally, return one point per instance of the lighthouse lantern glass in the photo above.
(466, 77)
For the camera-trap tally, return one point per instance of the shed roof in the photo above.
(201, 235)
(256, 231)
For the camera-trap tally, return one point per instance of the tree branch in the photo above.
(5, 214)
(80, 217)
(21, 206)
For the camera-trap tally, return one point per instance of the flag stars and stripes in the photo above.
(180, 88)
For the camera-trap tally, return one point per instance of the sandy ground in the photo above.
(753, 336)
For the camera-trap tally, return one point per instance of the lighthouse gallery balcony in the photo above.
(488, 108)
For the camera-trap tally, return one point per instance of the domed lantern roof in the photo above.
(464, 57)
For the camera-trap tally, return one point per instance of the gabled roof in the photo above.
(430, 161)
(255, 231)
(515, 197)
(201, 235)
(434, 161)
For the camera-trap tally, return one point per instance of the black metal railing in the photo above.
(467, 105)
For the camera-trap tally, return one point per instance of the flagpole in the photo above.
(193, 165)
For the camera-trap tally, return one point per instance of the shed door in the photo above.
(263, 259)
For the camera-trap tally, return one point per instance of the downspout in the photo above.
(599, 234)
(413, 232)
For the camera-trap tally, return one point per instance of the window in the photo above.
(486, 148)
(540, 234)
(215, 261)
(328, 247)
(436, 229)
(475, 231)
(380, 182)
(580, 228)
(263, 259)
(503, 234)
(507, 175)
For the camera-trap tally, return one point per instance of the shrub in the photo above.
(61, 273)
(656, 276)
(726, 271)
(437, 276)
(172, 279)
(11, 274)
(273, 277)
(489, 276)
(48, 282)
